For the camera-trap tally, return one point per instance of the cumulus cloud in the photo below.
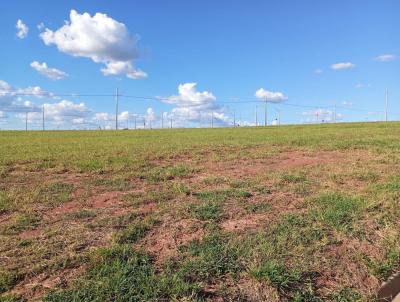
(272, 97)
(123, 68)
(61, 113)
(195, 106)
(100, 38)
(14, 99)
(23, 30)
(343, 65)
(385, 58)
(51, 73)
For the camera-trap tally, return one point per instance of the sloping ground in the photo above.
(261, 223)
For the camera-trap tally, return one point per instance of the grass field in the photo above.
(290, 213)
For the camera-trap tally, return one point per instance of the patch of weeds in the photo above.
(133, 198)
(43, 165)
(238, 183)
(55, 193)
(257, 207)
(123, 274)
(90, 166)
(337, 210)
(135, 232)
(296, 231)
(5, 203)
(207, 210)
(391, 263)
(211, 258)
(7, 280)
(180, 188)
(346, 295)
(393, 185)
(23, 222)
(294, 285)
(292, 178)
(263, 190)
(368, 176)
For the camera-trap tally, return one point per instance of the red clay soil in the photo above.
(163, 241)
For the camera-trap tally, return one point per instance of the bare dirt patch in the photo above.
(163, 242)
(284, 161)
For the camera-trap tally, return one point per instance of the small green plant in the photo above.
(135, 231)
(5, 203)
(55, 193)
(257, 207)
(346, 295)
(7, 280)
(122, 274)
(337, 210)
(294, 285)
(211, 258)
(292, 178)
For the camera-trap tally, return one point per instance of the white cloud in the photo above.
(2, 115)
(51, 73)
(318, 71)
(40, 26)
(14, 99)
(273, 97)
(347, 103)
(193, 106)
(104, 116)
(100, 38)
(23, 30)
(361, 85)
(60, 113)
(343, 65)
(123, 68)
(385, 58)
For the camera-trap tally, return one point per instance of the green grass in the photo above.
(337, 210)
(5, 203)
(116, 274)
(223, 205)
(294, 285)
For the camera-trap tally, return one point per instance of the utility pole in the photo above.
(256, 117)
(162, 120)
(386, 105)
(212, 119)
(135, 122)
(26, 121)
(171, 121)
(265, 112)
(144, 122)
(116, 108)
(43, 118)
(234, 118)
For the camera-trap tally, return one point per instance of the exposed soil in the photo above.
(163, 242)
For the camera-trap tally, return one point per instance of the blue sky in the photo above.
(229, 48)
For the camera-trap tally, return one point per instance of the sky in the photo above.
(197, 62)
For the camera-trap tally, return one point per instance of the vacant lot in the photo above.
(291, 213)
